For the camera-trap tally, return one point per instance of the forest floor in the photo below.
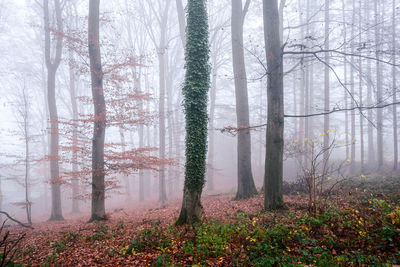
(359, 227)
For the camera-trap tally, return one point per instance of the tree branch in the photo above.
(16, 221)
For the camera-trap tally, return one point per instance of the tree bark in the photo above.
(56, 210)
(246, 187)
(273, 198)
(96, 72)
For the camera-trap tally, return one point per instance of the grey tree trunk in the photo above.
(379, 99)
(360, 92)
(162, 194)
(246, 187)
(394, 100)
(182, 21)
(345, 98)
(96, 73)
(371, 149)
(52, 66)
(74, 104)
(326, 83)
(353, 114)
(28, 206)
(273, 179)
(211, 138)
(125, 175)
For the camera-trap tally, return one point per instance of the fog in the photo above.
(143, 61)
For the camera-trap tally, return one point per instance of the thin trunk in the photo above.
(379, 99)
(162, 194)
(395, 137)
(182, 22)
(125, 175)
(360, 92)
(211, 144)
(353, 114)
(27, 160)
(273, 198)
(345, 98)
(302, 88)
(96, 72)
(326, 84)
(74, 104)
(246, 187)
(138, 88)
(56, 210)
(371, 150)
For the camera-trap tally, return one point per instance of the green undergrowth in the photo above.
(364, 234)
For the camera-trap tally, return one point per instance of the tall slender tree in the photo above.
(52, 67)
(195, 92)
(394, 84)
(326, 82)
(246, 187)
(273, 178)
(379, 97)
(96, 72)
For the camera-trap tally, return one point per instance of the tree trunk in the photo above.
(371, 150)
(182, 22)
(360, 92)
(353, 114)
(56, 210)
(125, 175)
(302, 108)
(27, 159)
(162, 194)
(326, 85)
(75, 178)
(213, 94)
(246, 187)
(379, 99)
(273, 179)
(195, 92)
(96, 72)
(345, 98)
(394, 100)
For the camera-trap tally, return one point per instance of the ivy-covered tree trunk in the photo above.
(195, 92)
(98, 187)
(274, 156)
